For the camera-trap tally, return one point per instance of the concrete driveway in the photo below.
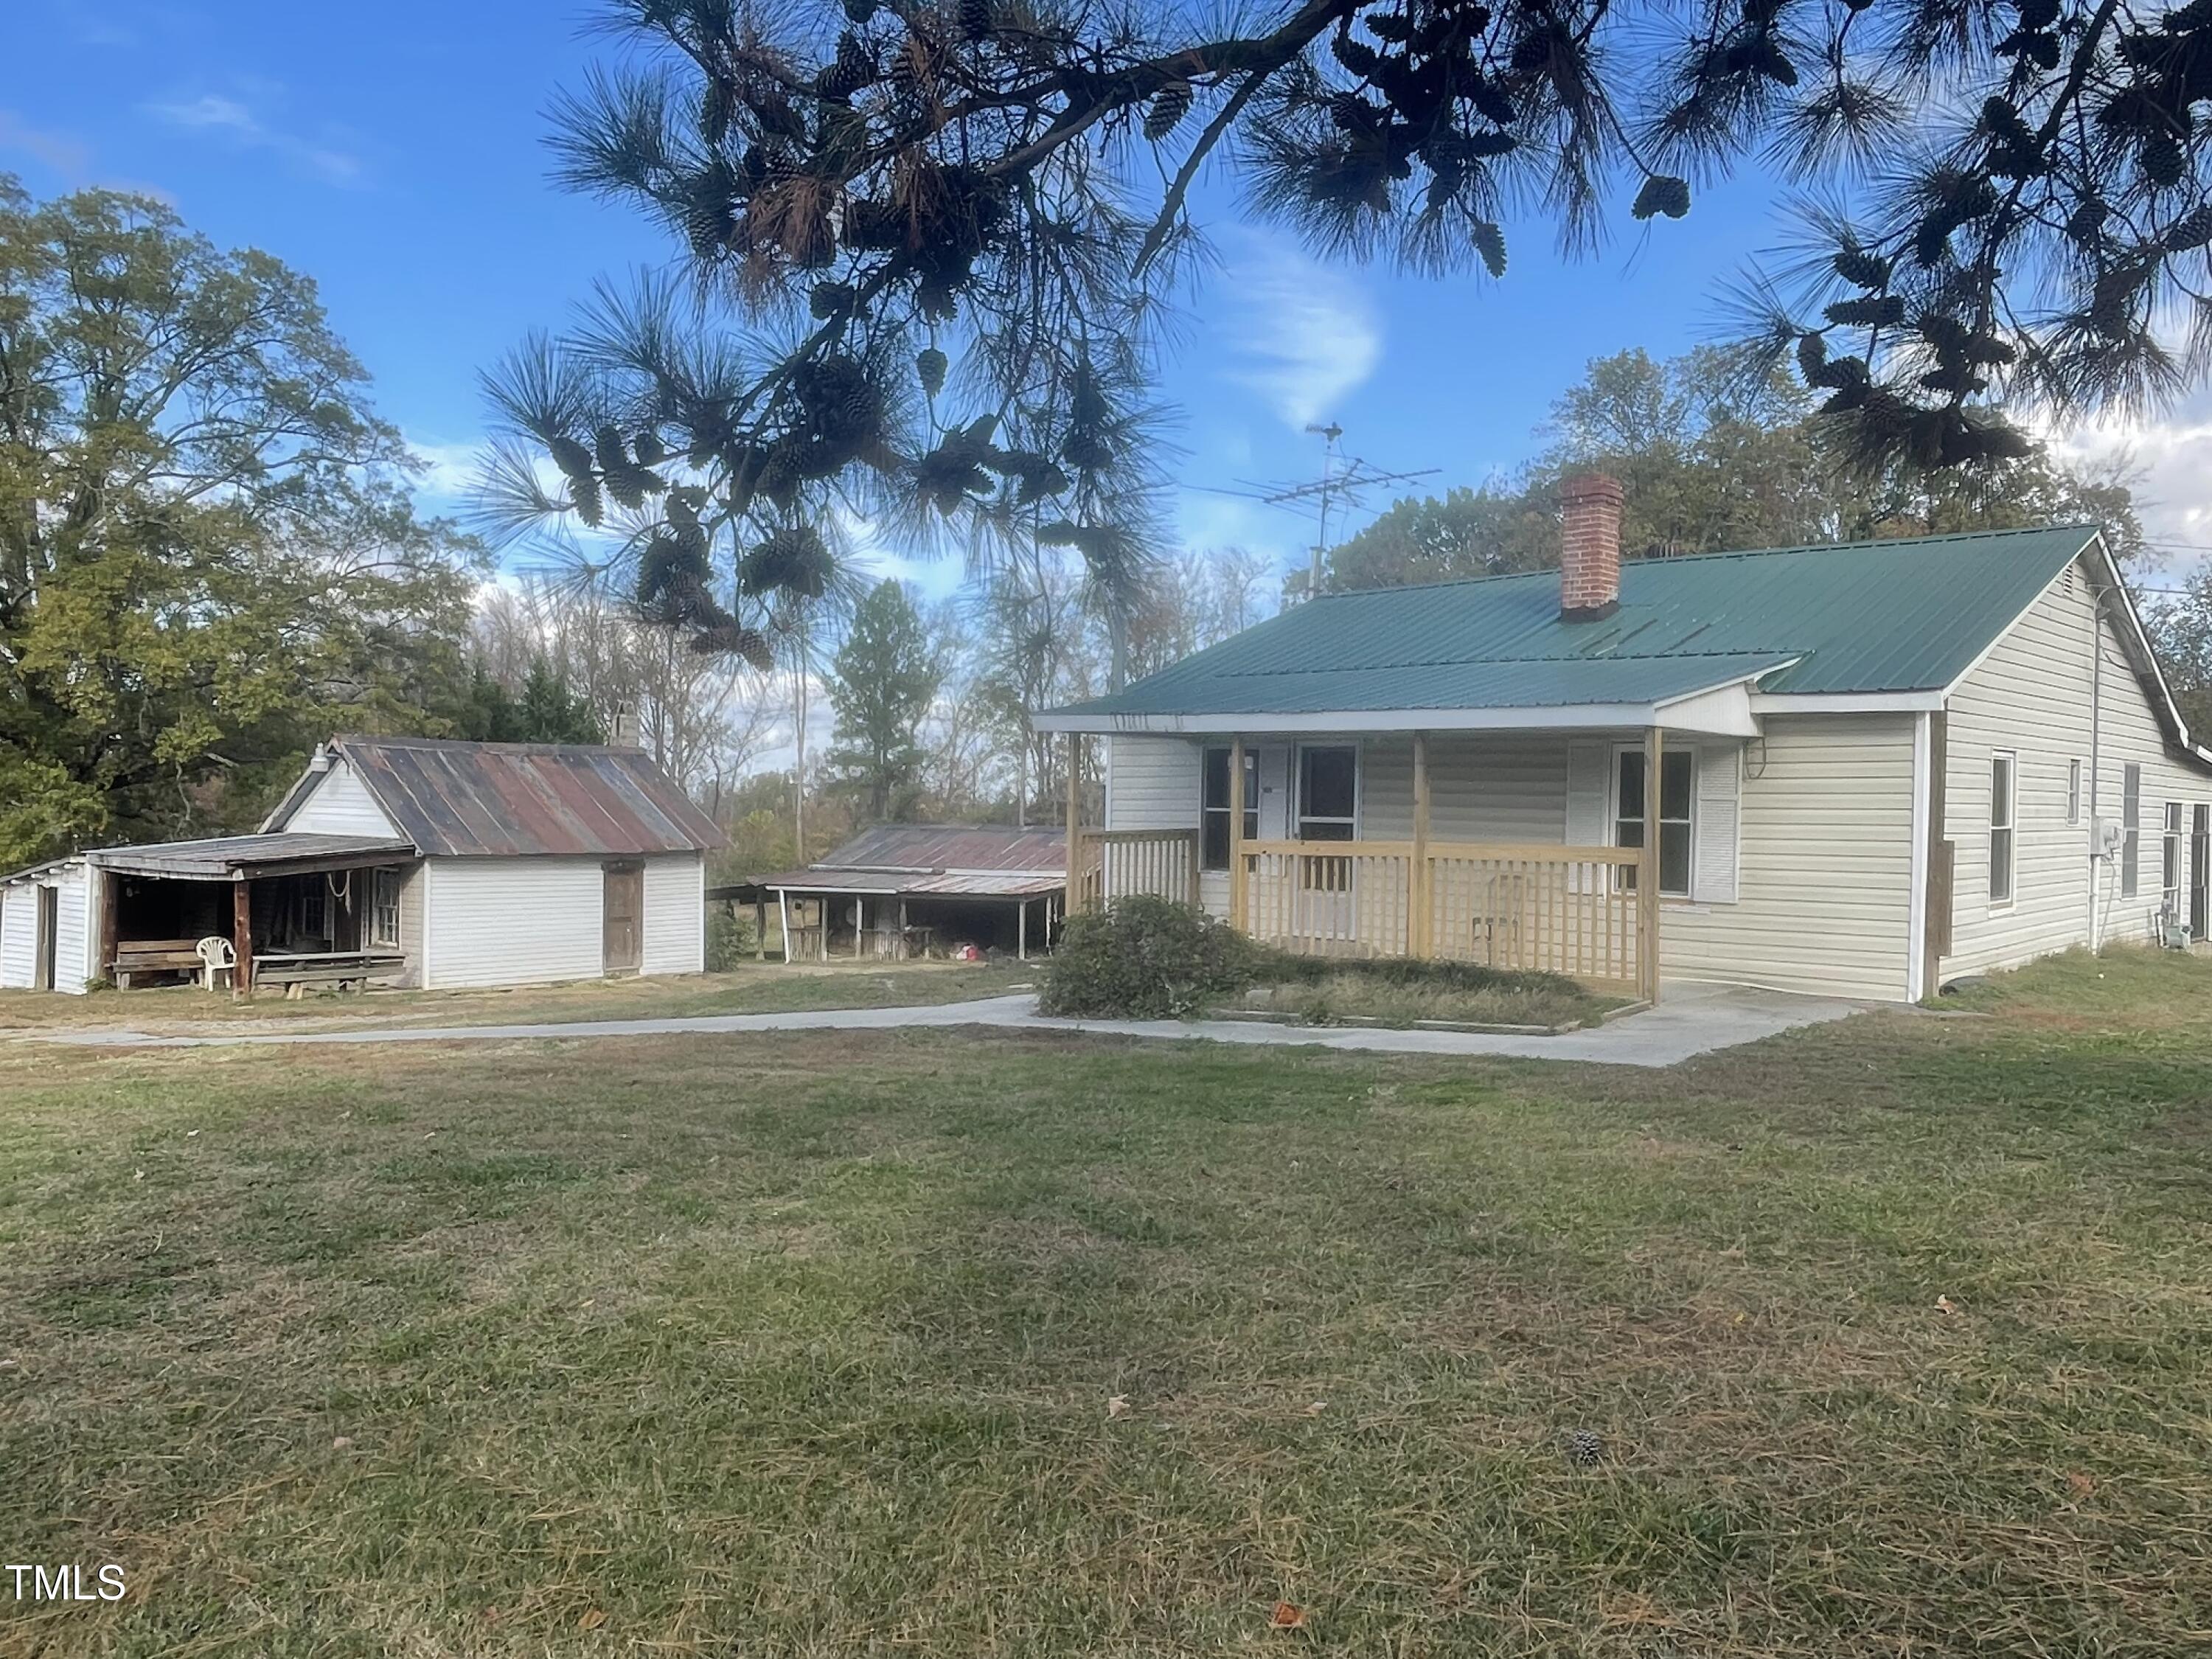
(1689, 1020)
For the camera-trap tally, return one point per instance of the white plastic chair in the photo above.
(216, 957)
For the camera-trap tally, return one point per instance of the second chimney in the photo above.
(1590, 547)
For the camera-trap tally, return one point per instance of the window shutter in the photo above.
(1589, 801)
(1719, 803)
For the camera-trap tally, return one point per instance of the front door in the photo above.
(625, 947)
(2200, 873)
(44, 939)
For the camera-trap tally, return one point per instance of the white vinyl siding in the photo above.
(340, 805)
(529, 920)
(512, 921)
(18, 934)
(2032, 696)
(1156, 783)
(73, 942)
(74, 945)
(1152, 783)
(676, 914)
(1492, 787)
(1824, 863)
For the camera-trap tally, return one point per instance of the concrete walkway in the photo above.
(1690, 1019)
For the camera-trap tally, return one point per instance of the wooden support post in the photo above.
(783, 916)
(860, 925)
(1419, 919)
(111, 892)
(1237, 884)
(242, 937)
(760, 928)
(898, 945)
(1021, 930)
(1075, 894)
(1647, 873)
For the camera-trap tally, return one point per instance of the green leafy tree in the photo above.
(1707, 464)
(208, 557)
(884, 679)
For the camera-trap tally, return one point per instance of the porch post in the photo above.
(1238, 919)
(1647, 873)
(1419, 921)
(110, 903)
(760, 928)
(1074, 821)
(242, 936)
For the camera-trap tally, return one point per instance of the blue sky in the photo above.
(395, 153)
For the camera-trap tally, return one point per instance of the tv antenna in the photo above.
(1342, 479)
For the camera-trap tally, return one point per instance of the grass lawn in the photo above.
(754, 988)
(1892, 1337)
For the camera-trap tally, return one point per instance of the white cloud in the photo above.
(1302, 334)
(228, 119)
(2169, 462)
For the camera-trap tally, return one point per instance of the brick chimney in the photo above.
(1590, 547)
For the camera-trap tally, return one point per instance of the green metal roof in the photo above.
(1863, 617)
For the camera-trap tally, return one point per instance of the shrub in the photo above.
(1147, 958)
(729, 938)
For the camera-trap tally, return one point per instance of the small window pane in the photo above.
(1217, 779)
(1673, 858)
(1674, 784)
(1215, 854)
(1632, 784)
(1327, 783)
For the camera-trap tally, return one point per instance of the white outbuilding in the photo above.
(406, 860)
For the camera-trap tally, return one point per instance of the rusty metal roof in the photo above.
(987, 860)
(528, 800)
(227, 857)
(942, 847)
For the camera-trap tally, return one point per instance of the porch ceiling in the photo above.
(243, 858)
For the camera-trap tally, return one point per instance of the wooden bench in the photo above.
(339, 968)
(155, 956)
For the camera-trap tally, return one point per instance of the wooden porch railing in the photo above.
(1570, 910)
(1119, 862)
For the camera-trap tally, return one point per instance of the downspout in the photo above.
(2096, 722)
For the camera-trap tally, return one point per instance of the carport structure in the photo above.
(908, 889)
(296, 907)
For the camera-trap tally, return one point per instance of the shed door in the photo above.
(44, 939)
(625, 917)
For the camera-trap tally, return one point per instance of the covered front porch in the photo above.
(1540, 843)
(273, 910)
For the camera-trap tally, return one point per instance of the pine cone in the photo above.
(2193, 230)
(1861, 268)
(976, 19)
(1169, 104)
(930, 365)
(1585, 1449)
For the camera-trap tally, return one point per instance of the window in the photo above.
(2002, 835)
(1677, 775)
(2130, 830)
(383, 919)
(2170, 858)
(1213, 818)
(2074, 792)
(1328, 793)
(314, 912)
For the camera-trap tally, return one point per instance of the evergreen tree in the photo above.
(885, 680)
